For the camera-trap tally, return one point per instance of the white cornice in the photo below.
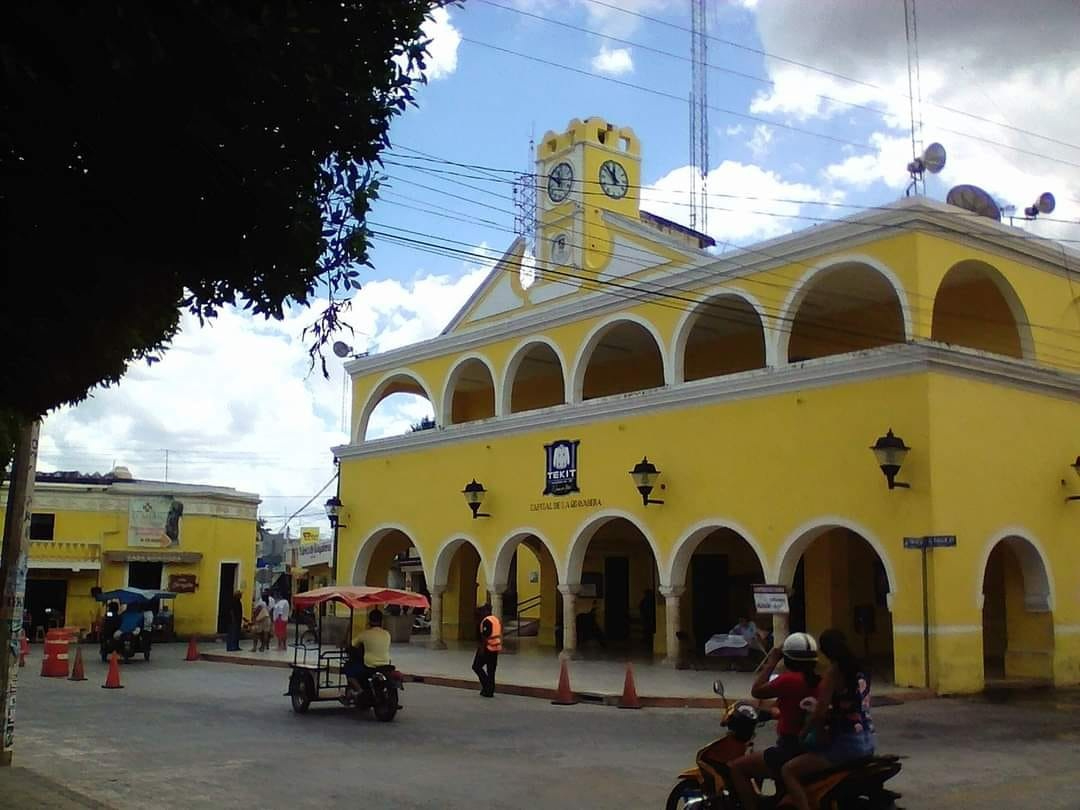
(910, 214)
(887, 361)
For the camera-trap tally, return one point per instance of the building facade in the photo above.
(109, 531)
(756, 381)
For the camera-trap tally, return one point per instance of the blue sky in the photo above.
(234, 403)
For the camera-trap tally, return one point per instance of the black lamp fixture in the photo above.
(645, 475)
(474, 496)
(1076, 468)
(333, 512)
(890, 450)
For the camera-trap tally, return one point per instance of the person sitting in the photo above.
(370, 650)
(131, 621)
(790, 690)
(840, 728)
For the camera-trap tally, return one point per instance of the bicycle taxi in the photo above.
(319, 658)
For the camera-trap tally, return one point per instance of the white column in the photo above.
(497, 601)
(569, 624)
(436, 617)
(672, 598)
(780, 628)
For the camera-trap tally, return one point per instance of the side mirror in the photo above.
(718, 687)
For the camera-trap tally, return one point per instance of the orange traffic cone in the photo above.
(112, 681)
(24, 648)
(192, 650)
(563, 695)
(77, 673)
(629, 699)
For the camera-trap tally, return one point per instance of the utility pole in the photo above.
(13, 563)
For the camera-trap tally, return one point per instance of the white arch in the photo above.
(445, 555)
(504, 554)
(685, 546)
(447, 409)
(570, 570)
(378, 394)
(367, 550)
(799, 540)
(802, 287)
(690, 317)
(1012, 301)
(514, 363)
(596, 334)
(1034, 566)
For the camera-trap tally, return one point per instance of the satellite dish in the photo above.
(1044, 205)
(932, 160)
(974, 199)
(342, 349)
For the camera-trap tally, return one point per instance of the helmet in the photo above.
(800, 647)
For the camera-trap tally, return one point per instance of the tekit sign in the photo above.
(562, 466)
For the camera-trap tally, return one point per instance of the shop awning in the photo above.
(150, 555)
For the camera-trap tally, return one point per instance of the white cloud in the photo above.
(760, 141)
(614, 62)
(443, 49)
(746, 202)
(737, 129)
(235, 405)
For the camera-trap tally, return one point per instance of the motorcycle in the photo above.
(856, 785)
(379, 692)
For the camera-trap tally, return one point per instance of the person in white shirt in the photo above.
(280, 613)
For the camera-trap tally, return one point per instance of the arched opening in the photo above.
(390, 559)
(532, 608)
(976, 307)
(399, 404)
(847, 307)
(470, 393)
(1018, 627)
(725, 336)
(616, 608)
(837, 579)
(718, 568)
(621, 358)
(535, 379)
(459, 568)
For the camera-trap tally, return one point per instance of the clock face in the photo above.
(560, 182)
(613, 179)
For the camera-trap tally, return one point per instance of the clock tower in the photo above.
(590, 168)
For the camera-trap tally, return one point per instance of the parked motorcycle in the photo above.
(859, 784)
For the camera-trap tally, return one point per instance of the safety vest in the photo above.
(493, 643)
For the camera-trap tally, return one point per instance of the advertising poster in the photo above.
(155, 522)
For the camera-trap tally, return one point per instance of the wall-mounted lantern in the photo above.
(474, 496)
(1076, 469)
(890, 450)
(333, 513)
(645, 475)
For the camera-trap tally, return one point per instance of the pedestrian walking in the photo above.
(260, 626)
(487, 651)
(280, 613)
(236, 620)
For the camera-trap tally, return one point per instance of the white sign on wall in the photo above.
(771, 599)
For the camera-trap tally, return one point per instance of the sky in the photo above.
(810, 118)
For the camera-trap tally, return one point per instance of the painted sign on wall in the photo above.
(155, 522)
(562, 467)
(183, 583)
(319, 553)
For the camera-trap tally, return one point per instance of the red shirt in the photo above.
(790, 690)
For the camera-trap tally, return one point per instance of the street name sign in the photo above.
(931, 541)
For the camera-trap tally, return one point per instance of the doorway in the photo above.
(617, 598)
(46, 600)
(145, 575)
(226, 586)
(709, 578)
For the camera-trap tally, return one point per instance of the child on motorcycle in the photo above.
(790, 689)
(840, 728)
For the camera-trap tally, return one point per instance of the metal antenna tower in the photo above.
(524, 196)
(699, 117)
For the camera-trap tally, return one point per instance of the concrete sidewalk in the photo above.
(534, 672)
(24, 789)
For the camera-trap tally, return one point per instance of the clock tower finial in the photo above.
(590, 168)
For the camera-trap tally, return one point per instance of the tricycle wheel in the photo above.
(386, 708)
(301, 692)
(686, 789)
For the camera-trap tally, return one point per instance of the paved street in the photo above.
(212, 735)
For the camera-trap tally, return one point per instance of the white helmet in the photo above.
(800, 647)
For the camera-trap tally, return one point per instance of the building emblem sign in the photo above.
(562, 467)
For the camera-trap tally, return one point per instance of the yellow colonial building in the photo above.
(755, 381)
(108, 531)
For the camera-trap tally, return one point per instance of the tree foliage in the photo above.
(192, 154)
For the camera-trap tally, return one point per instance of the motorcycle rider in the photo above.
(800, 681)
(840, 727)
(375, 642)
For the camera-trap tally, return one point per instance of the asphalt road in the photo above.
(220, 735)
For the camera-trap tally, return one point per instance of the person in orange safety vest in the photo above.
(487, 651)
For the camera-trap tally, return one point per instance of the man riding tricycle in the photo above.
(349, 658)
(130, 620)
